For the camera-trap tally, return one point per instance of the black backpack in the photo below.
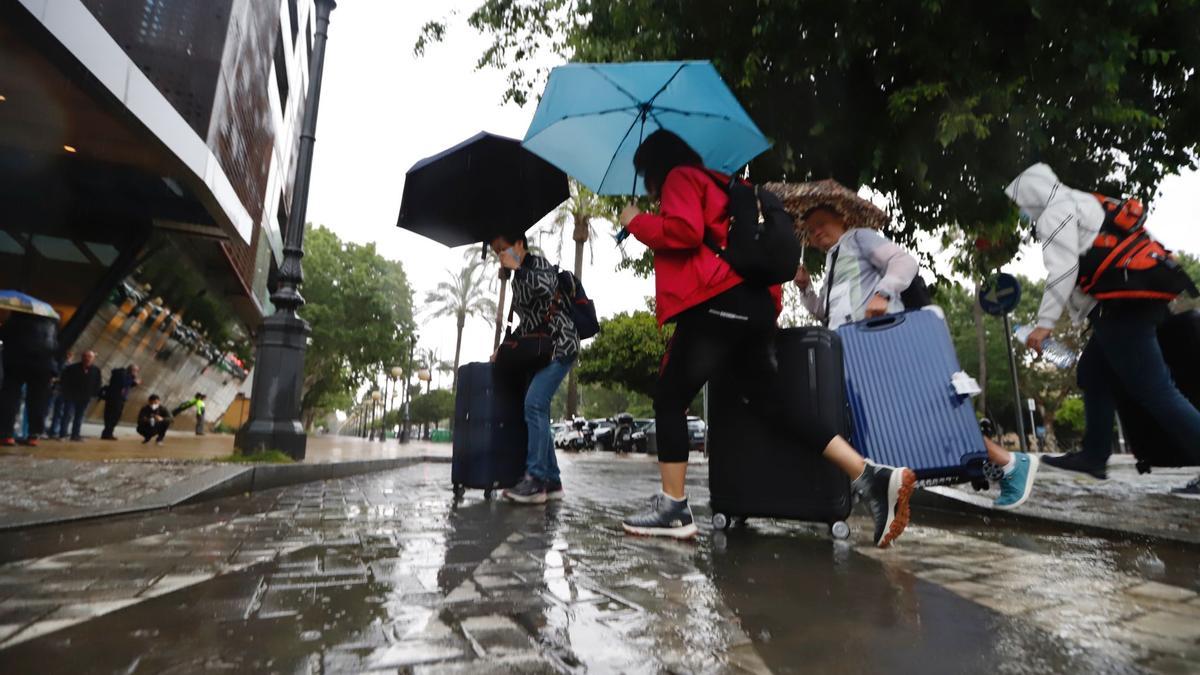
(578, 305)
(762, 246)
(917, 294)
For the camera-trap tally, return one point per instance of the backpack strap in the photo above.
(829, 278)
(709, 240)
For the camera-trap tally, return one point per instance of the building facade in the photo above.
(150, 139)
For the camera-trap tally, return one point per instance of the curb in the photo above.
(951, 500)
(216, 483)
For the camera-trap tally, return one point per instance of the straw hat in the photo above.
(800, 197)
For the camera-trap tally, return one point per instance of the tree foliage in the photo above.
(936, 105)
(359, 305)
(462, 295)
(432, 407)
(626, 353)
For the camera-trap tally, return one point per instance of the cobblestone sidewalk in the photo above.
(387, 572)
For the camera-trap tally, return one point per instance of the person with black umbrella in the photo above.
(537, 301)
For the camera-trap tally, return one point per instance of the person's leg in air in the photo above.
(1017, 472)
(541, 468)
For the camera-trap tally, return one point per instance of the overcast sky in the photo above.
(382, 109)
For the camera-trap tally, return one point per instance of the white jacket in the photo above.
(1067, 222)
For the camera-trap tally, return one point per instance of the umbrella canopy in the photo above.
(15, 301)
(593, 116)
(484, 186)
(800, 197)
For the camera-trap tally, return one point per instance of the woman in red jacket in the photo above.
(720, 321)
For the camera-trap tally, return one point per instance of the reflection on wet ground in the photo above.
(388, 573)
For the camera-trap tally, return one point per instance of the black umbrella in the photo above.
(485, 186)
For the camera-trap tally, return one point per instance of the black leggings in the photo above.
(736, 329)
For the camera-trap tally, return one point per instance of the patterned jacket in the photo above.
(535, 293)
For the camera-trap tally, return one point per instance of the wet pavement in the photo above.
(388, 572)
(95, 473)
(1128, 501)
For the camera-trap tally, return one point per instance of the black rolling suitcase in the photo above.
(755, 468)
(1178, 337)
(489, 431)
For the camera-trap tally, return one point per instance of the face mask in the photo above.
(154, 406)
(512, 253)
(1025, 218)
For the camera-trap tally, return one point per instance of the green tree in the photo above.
(626, 353)
(433, 407)
(359, 305)
(462, 297)
(935, 104)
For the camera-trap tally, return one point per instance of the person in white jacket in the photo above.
(865, 275)
(1122, 353)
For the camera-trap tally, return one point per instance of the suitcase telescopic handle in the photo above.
(883, 322)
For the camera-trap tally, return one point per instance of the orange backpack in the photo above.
(1126, 263)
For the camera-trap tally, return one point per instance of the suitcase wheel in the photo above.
(1143, 467)
(839, 530)
(459, 490)
(720, 521)
(980, 484)
(489, 493)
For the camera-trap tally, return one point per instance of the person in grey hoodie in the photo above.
(1122, 353)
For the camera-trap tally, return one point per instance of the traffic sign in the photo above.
(1000, 294)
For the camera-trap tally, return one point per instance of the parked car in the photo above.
(697, 433)
(604, 434)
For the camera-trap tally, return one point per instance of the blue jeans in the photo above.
(540, 461)
(1123, 352)
(56, 409)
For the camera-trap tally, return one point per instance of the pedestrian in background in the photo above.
(80, 383)
(30, 361)
(196, 402)
(55, 407)
(153, 420)
(115, 395)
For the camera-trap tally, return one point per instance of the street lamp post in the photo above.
(412, 346)
(383, 418)
(397, 372)
(279, 367)
(375, 396)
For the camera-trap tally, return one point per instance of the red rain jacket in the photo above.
(686, 272)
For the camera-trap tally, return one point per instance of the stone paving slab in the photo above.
(388, 572)
(1126, 503)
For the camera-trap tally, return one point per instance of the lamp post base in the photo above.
(278, 382)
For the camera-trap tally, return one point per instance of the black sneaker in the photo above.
(529, 491)
(886, 491)
(1192, 488)
(665, 518)
(1076, 462)
(554, 491)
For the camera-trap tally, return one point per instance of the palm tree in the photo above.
(577, 214)
(461, 297)
(429, 361)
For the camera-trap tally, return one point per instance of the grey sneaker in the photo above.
(886, 492)
(529, 491)
(554, 491)
(665, 518)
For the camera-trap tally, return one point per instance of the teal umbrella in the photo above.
(15, 301)
(593, 116)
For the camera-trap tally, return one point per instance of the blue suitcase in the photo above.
(489, 445)
(904, 408)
